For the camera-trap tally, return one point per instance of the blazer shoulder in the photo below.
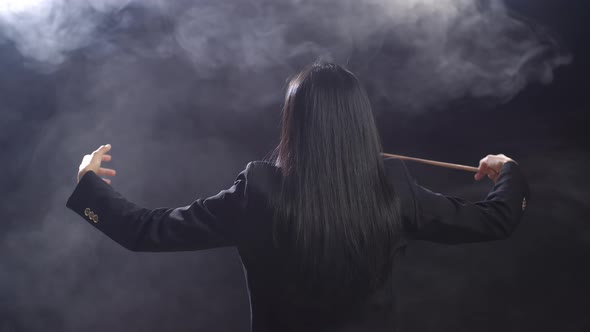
(262, 171)
(262, 179)
(262, 183)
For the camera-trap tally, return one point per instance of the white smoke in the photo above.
(439, 50)
(46, 30)
(466, 48)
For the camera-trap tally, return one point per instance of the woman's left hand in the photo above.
(91, 162)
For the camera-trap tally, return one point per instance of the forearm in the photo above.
(191, 227)
(107, 210)
(449, 219)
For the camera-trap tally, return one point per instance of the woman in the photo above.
(319, 227)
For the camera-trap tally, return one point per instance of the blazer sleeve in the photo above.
(206, 223)
(449, 219)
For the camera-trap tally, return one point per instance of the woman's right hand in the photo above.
(92, 162)
(491, 166)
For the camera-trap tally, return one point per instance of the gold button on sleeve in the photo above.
(86, 212)
(523, 203)
(95, 218)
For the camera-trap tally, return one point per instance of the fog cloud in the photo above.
(427, 52)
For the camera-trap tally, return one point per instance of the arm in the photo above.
(206, 223)
(447, 219)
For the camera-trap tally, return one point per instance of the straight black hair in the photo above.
(336, 219)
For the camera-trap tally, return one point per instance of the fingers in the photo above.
(107, 157)
(491, 166)
(483, 170)
(493, 175)
(106, 172)
(103, 149)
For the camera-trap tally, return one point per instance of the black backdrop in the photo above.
(179, 132)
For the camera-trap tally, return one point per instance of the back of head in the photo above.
(336, 220)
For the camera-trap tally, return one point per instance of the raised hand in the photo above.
(92, 162)
(491, 166)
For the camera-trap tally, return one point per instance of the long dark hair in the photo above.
(336, 217)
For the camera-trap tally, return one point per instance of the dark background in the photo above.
(185, 114)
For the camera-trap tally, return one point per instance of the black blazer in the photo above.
(240, 216)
